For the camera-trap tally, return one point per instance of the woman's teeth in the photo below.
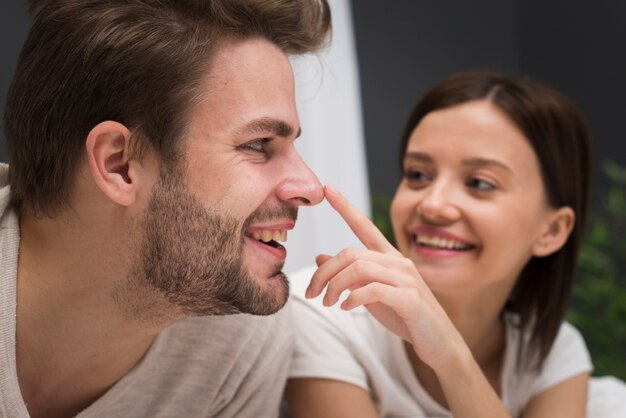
(267, 236)
(442, 243)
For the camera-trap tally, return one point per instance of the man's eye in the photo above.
(480, 184)
(258, 145)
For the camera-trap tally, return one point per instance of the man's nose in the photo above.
(300, 186)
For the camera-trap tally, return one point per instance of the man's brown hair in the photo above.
(137, 62)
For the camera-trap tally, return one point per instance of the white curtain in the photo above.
(332, 141)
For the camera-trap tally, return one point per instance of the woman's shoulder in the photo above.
(568, 347)
(567, 358)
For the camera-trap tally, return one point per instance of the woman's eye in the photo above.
(415, 175)
(480, 184)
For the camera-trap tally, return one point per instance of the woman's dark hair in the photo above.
(558, 133)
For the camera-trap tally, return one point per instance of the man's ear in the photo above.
(557, 229)
(108, 145)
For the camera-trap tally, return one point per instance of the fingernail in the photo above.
(345, 305)
(307, 293)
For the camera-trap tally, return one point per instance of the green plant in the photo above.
(599, 299)
(381, 203)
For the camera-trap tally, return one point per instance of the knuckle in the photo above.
(407, 264)
(348, 254)
(359, 267)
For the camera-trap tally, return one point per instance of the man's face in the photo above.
(238, 183)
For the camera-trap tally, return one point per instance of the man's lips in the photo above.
(269, 232)
(269, 237)
(272, 248)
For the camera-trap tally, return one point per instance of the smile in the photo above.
(270, 237)
(441, 243)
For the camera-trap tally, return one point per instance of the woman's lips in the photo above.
(436, 243)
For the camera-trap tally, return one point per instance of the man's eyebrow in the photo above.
(265, 125)
(485, 162)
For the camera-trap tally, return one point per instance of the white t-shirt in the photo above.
(353, 347)
(214, 366)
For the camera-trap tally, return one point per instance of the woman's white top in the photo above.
(353, 347)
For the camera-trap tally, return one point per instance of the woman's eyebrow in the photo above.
(418, 156)
(486, 162)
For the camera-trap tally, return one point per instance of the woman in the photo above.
(466, 319)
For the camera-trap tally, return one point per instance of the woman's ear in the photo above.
(556, 231)
(108, 145)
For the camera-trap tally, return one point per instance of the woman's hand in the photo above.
(380, 278)
(389, 286)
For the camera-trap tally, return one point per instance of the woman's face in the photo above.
(471, 206)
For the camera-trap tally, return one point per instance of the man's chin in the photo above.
(271, 295)
(263, 271)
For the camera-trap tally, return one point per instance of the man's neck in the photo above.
(73, 343)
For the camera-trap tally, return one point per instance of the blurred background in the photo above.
(575, 46)
(355, 97)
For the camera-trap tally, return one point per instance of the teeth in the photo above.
(267, 235)
(439, 242)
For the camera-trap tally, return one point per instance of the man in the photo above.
(152, 175)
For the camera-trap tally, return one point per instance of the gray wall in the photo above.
(14, 25)
(579, 47)
(404, 46)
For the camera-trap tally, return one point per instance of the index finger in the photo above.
(360, 224)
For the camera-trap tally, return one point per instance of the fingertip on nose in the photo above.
(315, 194)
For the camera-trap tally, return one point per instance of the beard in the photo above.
(194, 255)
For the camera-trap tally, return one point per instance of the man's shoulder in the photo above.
(203, 365)
(224, 334)
(242, 322)
(230, 346)
(5, 190)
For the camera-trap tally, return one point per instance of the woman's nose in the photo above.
(438, 204)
